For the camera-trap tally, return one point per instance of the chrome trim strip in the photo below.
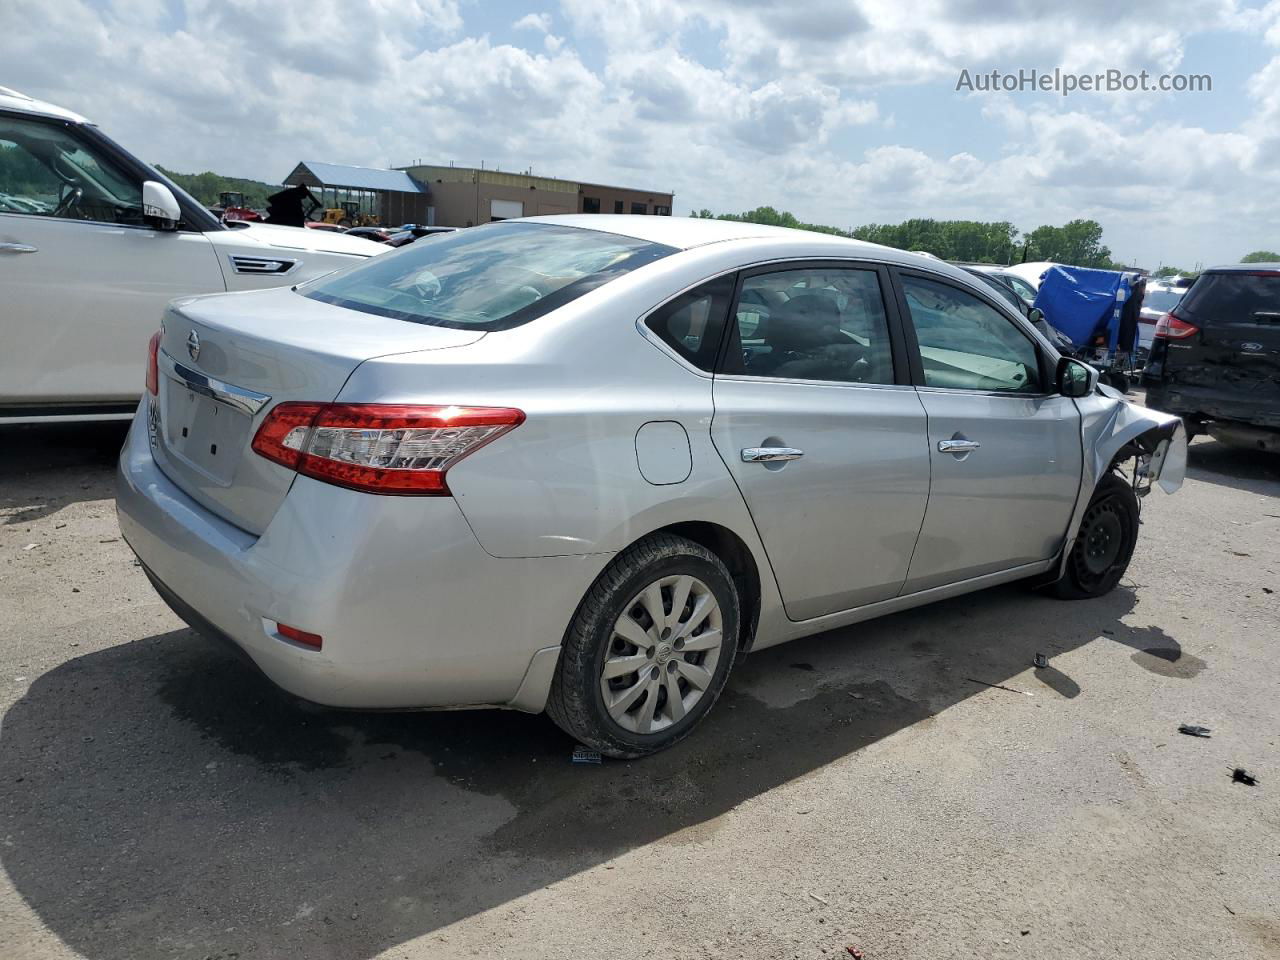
(249, 402)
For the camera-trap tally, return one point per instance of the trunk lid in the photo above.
(227, 360)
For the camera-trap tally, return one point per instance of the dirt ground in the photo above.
(868, 787)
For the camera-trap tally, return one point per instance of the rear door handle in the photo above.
(958, 446)
(17, 248)
(770, 454)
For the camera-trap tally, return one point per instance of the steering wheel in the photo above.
(69, 202)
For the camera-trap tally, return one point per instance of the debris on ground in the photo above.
(802, 666)
(584, 755)
(819, 899)
(1241, 775)
(854, 952)
(1191, 730)
(999, 686)
(1040, 661)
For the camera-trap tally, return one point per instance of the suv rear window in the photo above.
(1232, 297)
(492, 277)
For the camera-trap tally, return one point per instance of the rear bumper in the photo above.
(414, 614)
(1208, 403)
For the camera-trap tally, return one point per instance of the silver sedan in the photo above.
(584, 463)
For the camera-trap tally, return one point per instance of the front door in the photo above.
(826, 443)
(1005, 449)
(84, 279)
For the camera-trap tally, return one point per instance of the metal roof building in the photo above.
(392, 195)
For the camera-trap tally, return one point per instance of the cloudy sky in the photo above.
(841, 111)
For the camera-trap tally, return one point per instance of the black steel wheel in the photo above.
(1104, 544)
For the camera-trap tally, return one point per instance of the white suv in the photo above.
(93, 244)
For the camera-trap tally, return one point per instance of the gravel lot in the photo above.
(159, 799)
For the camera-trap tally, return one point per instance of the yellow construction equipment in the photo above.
(349, 215)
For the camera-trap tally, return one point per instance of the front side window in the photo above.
(812, 324)
(692, 323)
(967, 344)
(46, 171)
(491, 277)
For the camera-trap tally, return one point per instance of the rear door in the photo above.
(1005, 449)
(825, 437)
(84, 279)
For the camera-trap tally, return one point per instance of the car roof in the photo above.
(11, 99)
(685, 233)
(1244, 268)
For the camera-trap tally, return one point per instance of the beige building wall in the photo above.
(465, 196)
(611, 197)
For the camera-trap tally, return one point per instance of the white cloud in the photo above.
(732, 103)
(534, 21)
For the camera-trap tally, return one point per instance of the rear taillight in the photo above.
(1170, 327)
(153, 364)
(379, 448)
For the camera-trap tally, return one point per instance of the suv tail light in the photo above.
(379, 448)
(1170, 327)
(153, 364)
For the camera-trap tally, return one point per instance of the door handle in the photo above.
(770, 454)
(958, 445)
(17, 248)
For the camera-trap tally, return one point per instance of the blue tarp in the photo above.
(1083, 303)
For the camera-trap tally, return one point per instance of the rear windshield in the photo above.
(492, 277)
(1163, 300)
(1232, 298)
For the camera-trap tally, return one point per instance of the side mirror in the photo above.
(160, 206)
(1076, 379)
(1036, 315)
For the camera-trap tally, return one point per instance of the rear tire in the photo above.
(649, 649)
(1104, 544)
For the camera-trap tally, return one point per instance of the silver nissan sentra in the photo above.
(584, 463)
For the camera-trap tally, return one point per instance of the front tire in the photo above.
(1104, 544)
(649, 649)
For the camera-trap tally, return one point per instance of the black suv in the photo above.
(1215, 359)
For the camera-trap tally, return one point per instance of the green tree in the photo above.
(1168, 272)
(206, 186)
(1261, 256)
(1078, 243)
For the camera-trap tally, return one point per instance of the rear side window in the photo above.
(1232, 298)
(493, 277)
(693, 323)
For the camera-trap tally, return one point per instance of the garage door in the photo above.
(505, 209)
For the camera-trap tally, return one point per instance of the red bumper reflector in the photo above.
(312, 640)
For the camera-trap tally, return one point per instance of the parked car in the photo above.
(1160, 298)
(1022, 289)
(93, 242)
(583, 463)
(1031, 271)
(1215, 358)
(323, 227)
(400, 238)
(1008, 292)
(418, 230)
(376, 234)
